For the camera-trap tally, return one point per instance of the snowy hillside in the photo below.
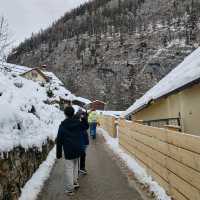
(115, 50)
(24, 118)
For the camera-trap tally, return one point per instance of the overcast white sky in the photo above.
(27, 16)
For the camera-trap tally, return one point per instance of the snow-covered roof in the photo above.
(110, 113)
(81, 99)
(98, 101)
(16, 69)
(185, 73)
(46, 78)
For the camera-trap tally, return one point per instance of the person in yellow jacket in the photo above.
(93, 122)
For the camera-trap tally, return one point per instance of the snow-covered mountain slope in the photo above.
(115, 50)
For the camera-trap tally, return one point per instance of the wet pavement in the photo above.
(105, 180)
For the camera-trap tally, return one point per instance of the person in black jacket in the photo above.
(69, 139)
(83, 116)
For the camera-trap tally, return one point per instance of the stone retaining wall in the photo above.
(17, 167)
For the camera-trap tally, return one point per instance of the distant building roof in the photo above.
(81, 99)
(110, 113)
(182, 76)
(18, 69)
(97, 101)
(39, 71)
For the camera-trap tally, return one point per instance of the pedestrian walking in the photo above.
(84, 144)
(83, 116)
(93, 122)
(69, 140)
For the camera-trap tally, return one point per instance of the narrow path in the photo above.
(105, 180)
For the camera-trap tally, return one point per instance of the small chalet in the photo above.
(174, 102)
(97, 105)
(36, 75)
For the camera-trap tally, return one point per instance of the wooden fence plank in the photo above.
(177, 195)
(172, 158)
(185, 141)
(181, 170)
(188, 190)
(185, 188)
(189, 175)
(108, 123)
(184, 156)
(158, 170)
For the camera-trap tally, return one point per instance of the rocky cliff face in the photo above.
(115, 50)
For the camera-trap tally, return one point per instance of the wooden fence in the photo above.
(108, 124)
(171, 158)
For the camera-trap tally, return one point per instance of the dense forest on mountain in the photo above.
(115, 50)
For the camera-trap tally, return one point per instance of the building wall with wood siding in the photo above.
(186, 102)
(97, 105)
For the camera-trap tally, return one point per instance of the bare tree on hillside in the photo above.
(4, 37)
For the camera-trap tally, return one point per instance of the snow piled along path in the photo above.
(139, 172)
(25, 120)
(33, 187)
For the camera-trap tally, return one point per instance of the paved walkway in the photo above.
(105, 180)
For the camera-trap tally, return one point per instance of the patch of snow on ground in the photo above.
(139, 172)
(33, 187)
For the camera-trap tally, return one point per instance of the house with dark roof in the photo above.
(174, 102)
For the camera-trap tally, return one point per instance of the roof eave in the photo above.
(194, 82)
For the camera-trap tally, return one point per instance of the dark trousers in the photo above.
(82, 160)
(93, 127)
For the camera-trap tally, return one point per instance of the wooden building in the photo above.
(173, 103)
(97, 105)
(35, 74)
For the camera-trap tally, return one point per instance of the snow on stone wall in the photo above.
(25, 120)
